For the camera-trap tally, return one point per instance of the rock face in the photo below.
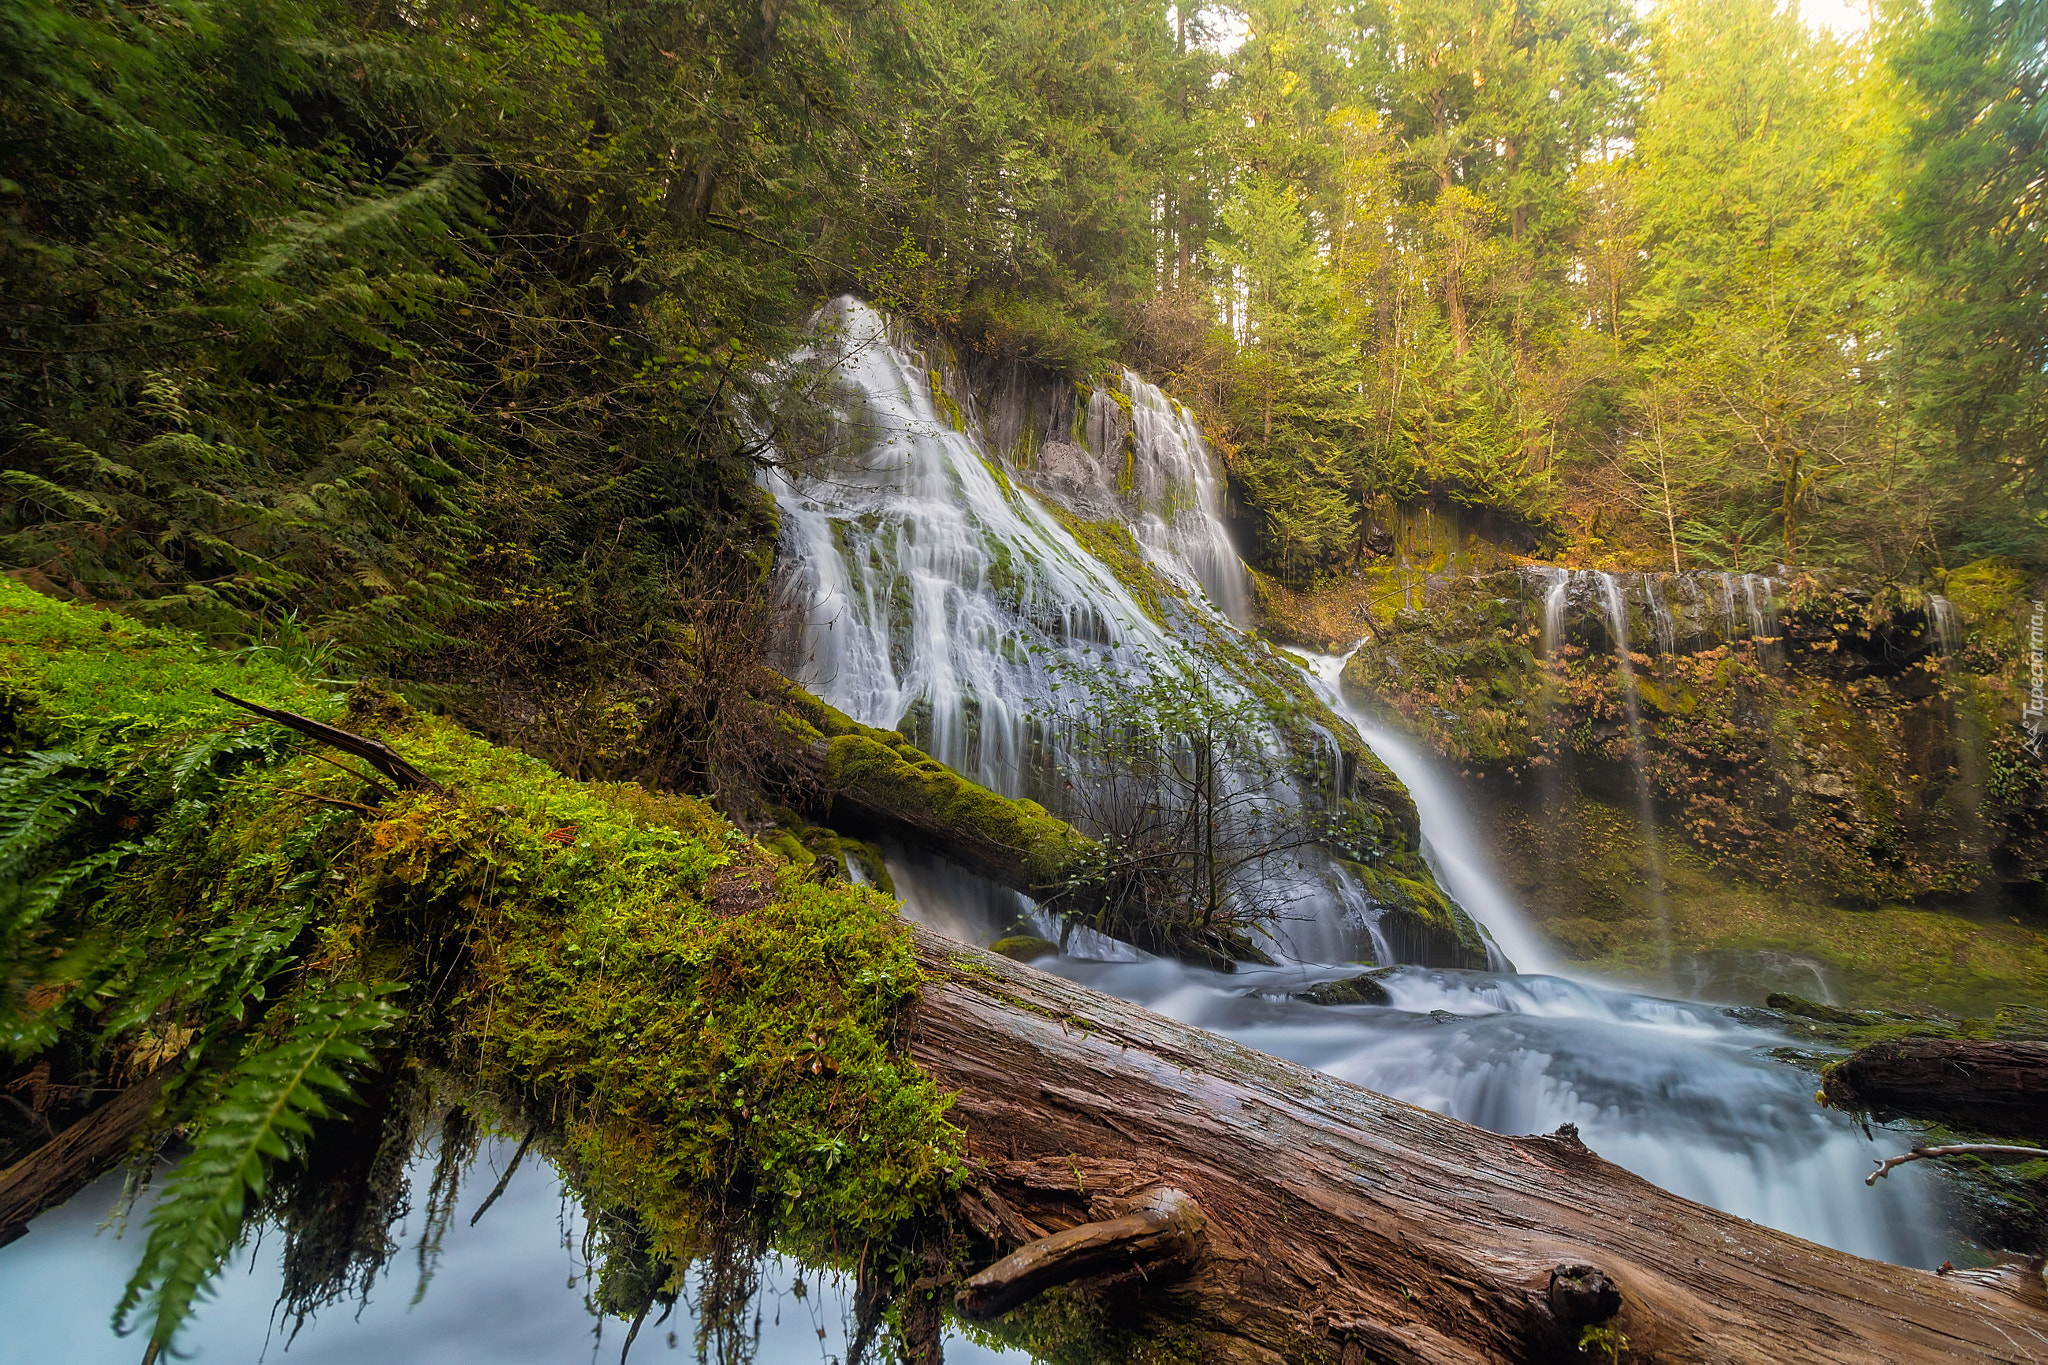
(1803, 733)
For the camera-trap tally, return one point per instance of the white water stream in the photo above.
(937, 586)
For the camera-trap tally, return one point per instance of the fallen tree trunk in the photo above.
(76, 1157)
(1992, 1087)
(1339, 1225)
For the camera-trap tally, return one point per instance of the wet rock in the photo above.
(1354, 990)
(1024, 948)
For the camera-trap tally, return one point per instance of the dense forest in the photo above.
(436, 334)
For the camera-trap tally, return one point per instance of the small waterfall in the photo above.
(1178, 501)
(1450, 843)
(1660, 614)
(1615, 601)
(1557, 587)
(1729, 627)
(1556, 593)
(1947, 629)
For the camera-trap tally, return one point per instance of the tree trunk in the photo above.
(1342, 1226)
(1997, 1088)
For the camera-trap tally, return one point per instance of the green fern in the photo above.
(41, 803)
(264, 1116)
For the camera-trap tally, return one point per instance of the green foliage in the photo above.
(263, 1117)
(715, 1029)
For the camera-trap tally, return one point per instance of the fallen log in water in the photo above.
(1993, 1087)
(1339, 1225)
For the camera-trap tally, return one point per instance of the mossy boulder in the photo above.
(1352, 990)
(1418, 921)
(1024, 947)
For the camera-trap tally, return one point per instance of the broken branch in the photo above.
(1884, 1167)
(1160, 1235)
(374, 752)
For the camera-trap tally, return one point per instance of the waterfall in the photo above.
(1450, 843)
(936, 586)
(933, 588)
(1556, 593)
(1179, 502)
(1615, 601)
(1660, 614)
(1947, 630)
(941, 598)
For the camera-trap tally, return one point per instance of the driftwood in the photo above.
(374, 752)
(1159, 1237)
(1993, 1087)
(1342, 1226)
(1884, 1167)
(79, 1155)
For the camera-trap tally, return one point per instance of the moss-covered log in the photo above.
(878, 779)
(1344, 1226)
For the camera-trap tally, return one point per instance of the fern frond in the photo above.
(23, 904)
(265, 1116)
(41, 803)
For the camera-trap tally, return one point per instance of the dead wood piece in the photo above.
(1160, 1236)
(1995, 1087)
(1343, 1223)
(1884, 1167)
(76, 1157)
(374, 752)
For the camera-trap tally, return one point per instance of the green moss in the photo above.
(706, 1024)
(942, 400)
(891, 774)
(1422, 923)
(1112, 543)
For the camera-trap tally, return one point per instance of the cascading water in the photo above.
(1660, 614)
(942, 599)
(1614, 600)
(935, 589)
(930, 575)
(1947, 630)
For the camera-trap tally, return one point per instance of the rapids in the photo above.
(934, 584)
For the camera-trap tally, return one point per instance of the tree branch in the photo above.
(1884, 1167)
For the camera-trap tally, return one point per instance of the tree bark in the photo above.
(1997, 1088)
(79, 1155)
(1343, 1226)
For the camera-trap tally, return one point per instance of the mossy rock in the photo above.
(1418, 921)
(1353, 990)
(1024, 948)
